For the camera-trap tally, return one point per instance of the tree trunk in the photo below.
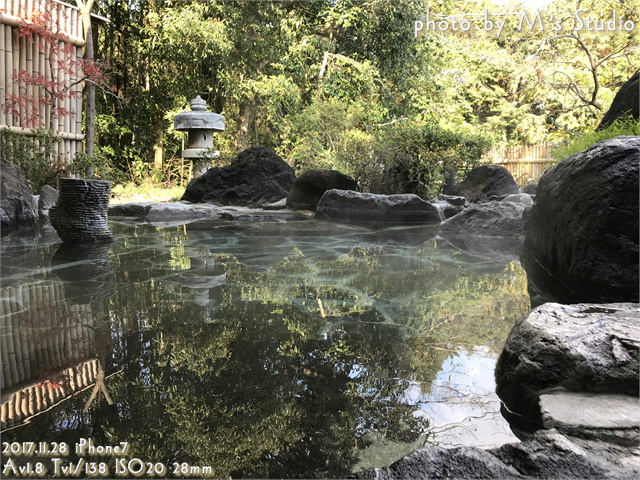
(90, 88)
(158, 148)
(246, 112)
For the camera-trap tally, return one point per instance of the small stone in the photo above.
(521, 198)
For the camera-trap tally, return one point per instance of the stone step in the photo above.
(613, 418)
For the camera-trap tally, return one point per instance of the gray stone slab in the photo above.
(580, 409)
(600, 416)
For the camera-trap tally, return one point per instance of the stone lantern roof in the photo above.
(198, 118)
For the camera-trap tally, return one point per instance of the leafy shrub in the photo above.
(581, 142)
(397, 157)
(96, 166)
(418, 157)
(35, 155)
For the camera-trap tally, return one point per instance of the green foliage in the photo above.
(99, 166)
(317, 80)
(400, 157)
(581, 142)
(526, 86)
(35, 155)
(417, 157)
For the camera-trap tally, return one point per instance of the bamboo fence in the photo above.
(45, 344)
(20, 53)
(525, 162)
(21, 406)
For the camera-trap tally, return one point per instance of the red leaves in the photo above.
(63, 72)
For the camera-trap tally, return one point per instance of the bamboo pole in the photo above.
(13, 377)
(38, 356)
(45, 343)
(11, 65)
(3, 71)
(37, 393)
(23, 332)
(29, 48)
(44, 397)
(4, 343)
(11, 412)
(32, 339)
(31, 402)
(63, 78)
(16, 350)
(22, 65)
(66, 119)
(16, 405)
(72, 339)
(4, 414)
(56, 343)
(42, 69)
(48, 51)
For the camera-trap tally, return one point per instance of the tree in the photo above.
(49, 89)
(533, 82)
(60, 78)
(90, 89)
(255, 62)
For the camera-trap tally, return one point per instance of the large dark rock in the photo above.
(17, 205)
(485, 181)
(256, 176)
(547, 455)
(491, 230)
(583, 347)
(368, 208)
(438, 463)
(581, 240)
(551, 455)
(309, 187)
(80, 213)
(625, 103)
(490, 219)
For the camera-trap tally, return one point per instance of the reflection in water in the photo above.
(264, 349)
(52, 329)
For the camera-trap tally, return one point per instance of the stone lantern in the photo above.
(200, 124)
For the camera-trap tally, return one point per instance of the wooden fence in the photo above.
(41, 333)
(47, 348)
(21, 406)
(33, 57)
(525, 162)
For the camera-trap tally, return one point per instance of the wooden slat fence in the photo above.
(28, 55)
(41, 333)
(21, 406)
(525, 162)
(47, 348)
